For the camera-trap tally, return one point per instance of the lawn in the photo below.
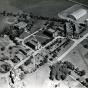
(76, 57)
(38, 78)
(7, 8)
(42, 7)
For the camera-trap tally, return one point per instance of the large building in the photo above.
(34, 44)
(67, 28)
(71, 29)
(77, 14)
(51, 32)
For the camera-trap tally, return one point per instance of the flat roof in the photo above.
(51, 30)
(33, 41)
(68, 26)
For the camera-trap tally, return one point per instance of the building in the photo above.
(23, 51)
(34, 44)
(77, 29)
(68, 29)
(19, 56)
(20, 25)
(51, 33)
(77, 14)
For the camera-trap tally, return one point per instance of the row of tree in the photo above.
(48, 18)
(5, 68)
(59, 71)
(11, 32)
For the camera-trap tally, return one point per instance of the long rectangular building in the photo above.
(33, 43)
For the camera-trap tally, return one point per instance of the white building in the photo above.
(77, 14)
(51, 32)
(20, 25)
(68, 28)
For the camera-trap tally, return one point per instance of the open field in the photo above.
(49, 8)
(82, 1)
(76, 57)
(8, 8)
(42, 7)
(2, 23)
(38, 78)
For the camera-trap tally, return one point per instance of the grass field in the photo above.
(42, 7)
(7, 8)
(78, 58)
(38, 78)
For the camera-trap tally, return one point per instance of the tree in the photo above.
(63, 76)
(6, 67)
(51, 76)
(26, 72)
(57, 77)
(69, 65)
(15, 59)
(21, 76)
(27, 62)
(76, 70)
(85, 46)
(86, 79)
(10, 47)
(82, 73)
(12, 37)
(2, 48)
(22, 68)
(5, 58)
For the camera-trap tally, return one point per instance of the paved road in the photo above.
(76, 42)
(61, 57)
(22, 62)
(28, 37)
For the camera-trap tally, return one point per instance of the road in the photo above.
(76, 42)
(35, 52)
(22, 62)
(31, 35)
(28, 37)
(78, 3)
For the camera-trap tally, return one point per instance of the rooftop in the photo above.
(33, 41)
(21, 25)
(51, 30)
